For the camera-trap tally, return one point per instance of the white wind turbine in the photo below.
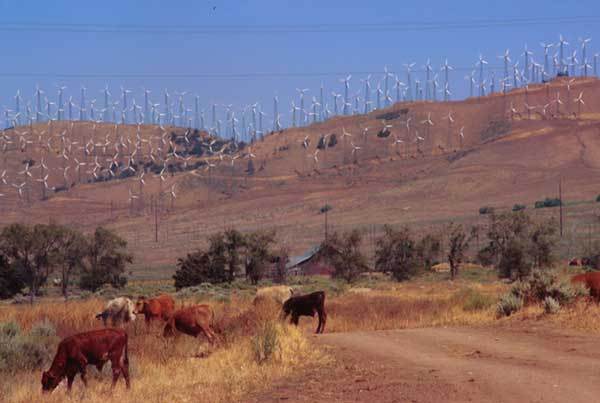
(367, 96)
(546, 46)
(346, 81)
(428, 71)
(386, 77)
(561, 43)
(18, 100)
(506, 58)
(399, 85)
(579, 102)
(446, 68)
(584, 43)
(471, 78)
(527, 53)
(303, 119)
(409, 81)
(106, 94)
(481, 63)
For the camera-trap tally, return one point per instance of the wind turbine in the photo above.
(506, 58)
(527, 53)
(398, 86)
(367, 82)
(38, 95)
(427, 80)
(386, 77)
(546, 46)
(446, 68)
(124, 109)
(573, 62)
(146, 103)
(82, 108)
(409, 81)
(579, 102)
(481, 63)
(584, 43)
(302, 110)
(18, 100)
(346, 81)
(561, 43)
(471, 78)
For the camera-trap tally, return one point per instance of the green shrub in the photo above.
(486, 210)
(519, 207)
(508, 304)
(265, 342)
(548, 202)
(31, 351)
(551, 305)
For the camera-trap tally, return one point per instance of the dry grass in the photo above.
(168, 370)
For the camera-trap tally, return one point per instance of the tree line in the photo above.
(29, 255)
(515, 246)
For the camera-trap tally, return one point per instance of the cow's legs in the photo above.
(322, 321)
(71, 372)
(208, 333)
(295, 319)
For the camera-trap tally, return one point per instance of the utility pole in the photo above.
(155, 221)
(560, 205)
(326, 226)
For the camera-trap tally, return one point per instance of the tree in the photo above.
(429, 249)
(517, 244)
(74, 248)
(396, 253)
(31, 251)
(199, 267)
(343, 252)
(543, 243)
(233, 241)
(282, 258)
(107, 260)
(258, 254)
(11, 281)
(458, 245)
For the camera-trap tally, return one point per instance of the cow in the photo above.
(119, 310)
(95, 347)
(574, 262)
(591, 281)
(161, 307)
(278, 293)
(306, 305)
(193, 321)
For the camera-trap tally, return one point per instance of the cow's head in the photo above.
(140, 305)
(286, 309)
(49, 381)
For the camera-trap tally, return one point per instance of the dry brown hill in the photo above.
(509, 155)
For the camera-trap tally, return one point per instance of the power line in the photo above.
(228, 76)
(398, 26)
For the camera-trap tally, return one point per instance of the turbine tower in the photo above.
(346, 82)
(546, 46)
(446, 68)
(561, 43)
(409, 81)
(481, 63)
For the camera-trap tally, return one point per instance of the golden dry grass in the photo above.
(168, 370)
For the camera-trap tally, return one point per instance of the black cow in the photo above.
(306, 305)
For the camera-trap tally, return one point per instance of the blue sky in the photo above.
(302, 53)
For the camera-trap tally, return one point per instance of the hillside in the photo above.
(509, 154)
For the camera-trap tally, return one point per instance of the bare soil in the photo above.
(529, 364)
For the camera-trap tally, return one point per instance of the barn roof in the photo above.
(298, 260)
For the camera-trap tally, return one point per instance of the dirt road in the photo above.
(452, 365)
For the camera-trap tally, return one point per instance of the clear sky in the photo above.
(298, 58)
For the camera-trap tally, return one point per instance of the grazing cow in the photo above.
(591, 281)
(119, 310)
(192, 320)
(278, 293)
(574, 262)
(306, 305)
(161, 307)
(89, 348)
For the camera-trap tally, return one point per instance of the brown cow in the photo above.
(590, 280)
(89, 348)
(192, 320)
(161, 307)
(306, 305)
